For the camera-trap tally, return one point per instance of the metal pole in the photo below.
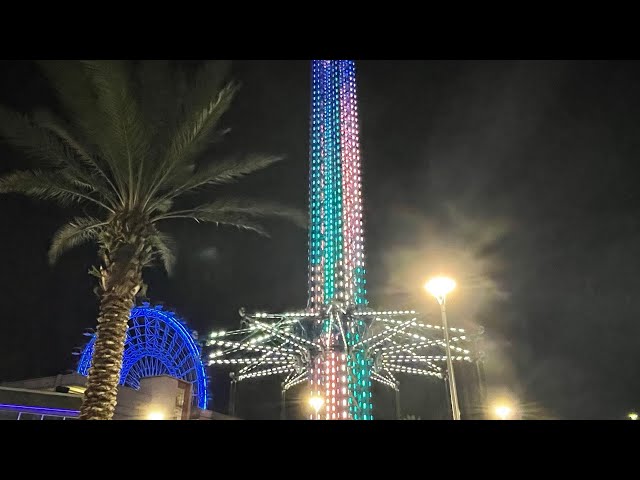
(447, 395)
(452, 378)
(232, 397)
(481, 384)
(397, 402)
(283, 406)
(480, 374)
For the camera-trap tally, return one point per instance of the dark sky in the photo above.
(518, 178)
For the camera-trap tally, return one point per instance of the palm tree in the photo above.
(127, 150)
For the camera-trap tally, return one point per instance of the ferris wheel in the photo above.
(157, 343)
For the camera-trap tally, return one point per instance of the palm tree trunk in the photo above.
(119, 284)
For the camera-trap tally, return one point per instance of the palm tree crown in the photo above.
(129, 153)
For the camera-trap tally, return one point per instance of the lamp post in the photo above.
(283, 405)
(439, 287)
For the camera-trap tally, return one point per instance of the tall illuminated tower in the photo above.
(336, 238)
(337, 344)
(336, 251)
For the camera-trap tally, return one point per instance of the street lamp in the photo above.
(316, 403)
(633, 416)
(439, 287)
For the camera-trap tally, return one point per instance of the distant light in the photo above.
(633, 416)
(77, 389)
(503, 412)
(439, 287)
(316, 403)
(155, 415)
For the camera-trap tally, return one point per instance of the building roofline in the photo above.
(40, 392)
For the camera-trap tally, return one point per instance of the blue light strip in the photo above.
(195, 353)
(40, 410)
(85, 359)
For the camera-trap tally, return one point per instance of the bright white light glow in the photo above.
(439, 287)
(155, 415)
(503, 412)
(316, 403)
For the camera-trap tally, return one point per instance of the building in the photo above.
(59, 398)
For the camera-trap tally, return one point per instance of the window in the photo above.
(29, 416)
(8, 415)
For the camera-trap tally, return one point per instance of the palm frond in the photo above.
(240, 221)
(76, 94)
(155, 89)
(46, 185)
(221, 172)
(157, 85)
(76, 232)
(87, 170)
(164, 206)
(76, 91)
(209, 79)
(251, 208)
(192, 136)
(129, 138)
(164, 247)
(39, 144)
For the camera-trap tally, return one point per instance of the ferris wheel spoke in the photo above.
(180, 366)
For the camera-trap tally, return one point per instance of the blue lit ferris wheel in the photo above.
(158, 343)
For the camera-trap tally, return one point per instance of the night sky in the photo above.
(517, 178)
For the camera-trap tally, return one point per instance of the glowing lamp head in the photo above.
(503, 412)
(316, 403)
(633, 416)
(439, 287)
(155, 415)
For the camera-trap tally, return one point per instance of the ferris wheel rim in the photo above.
(184, 361)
